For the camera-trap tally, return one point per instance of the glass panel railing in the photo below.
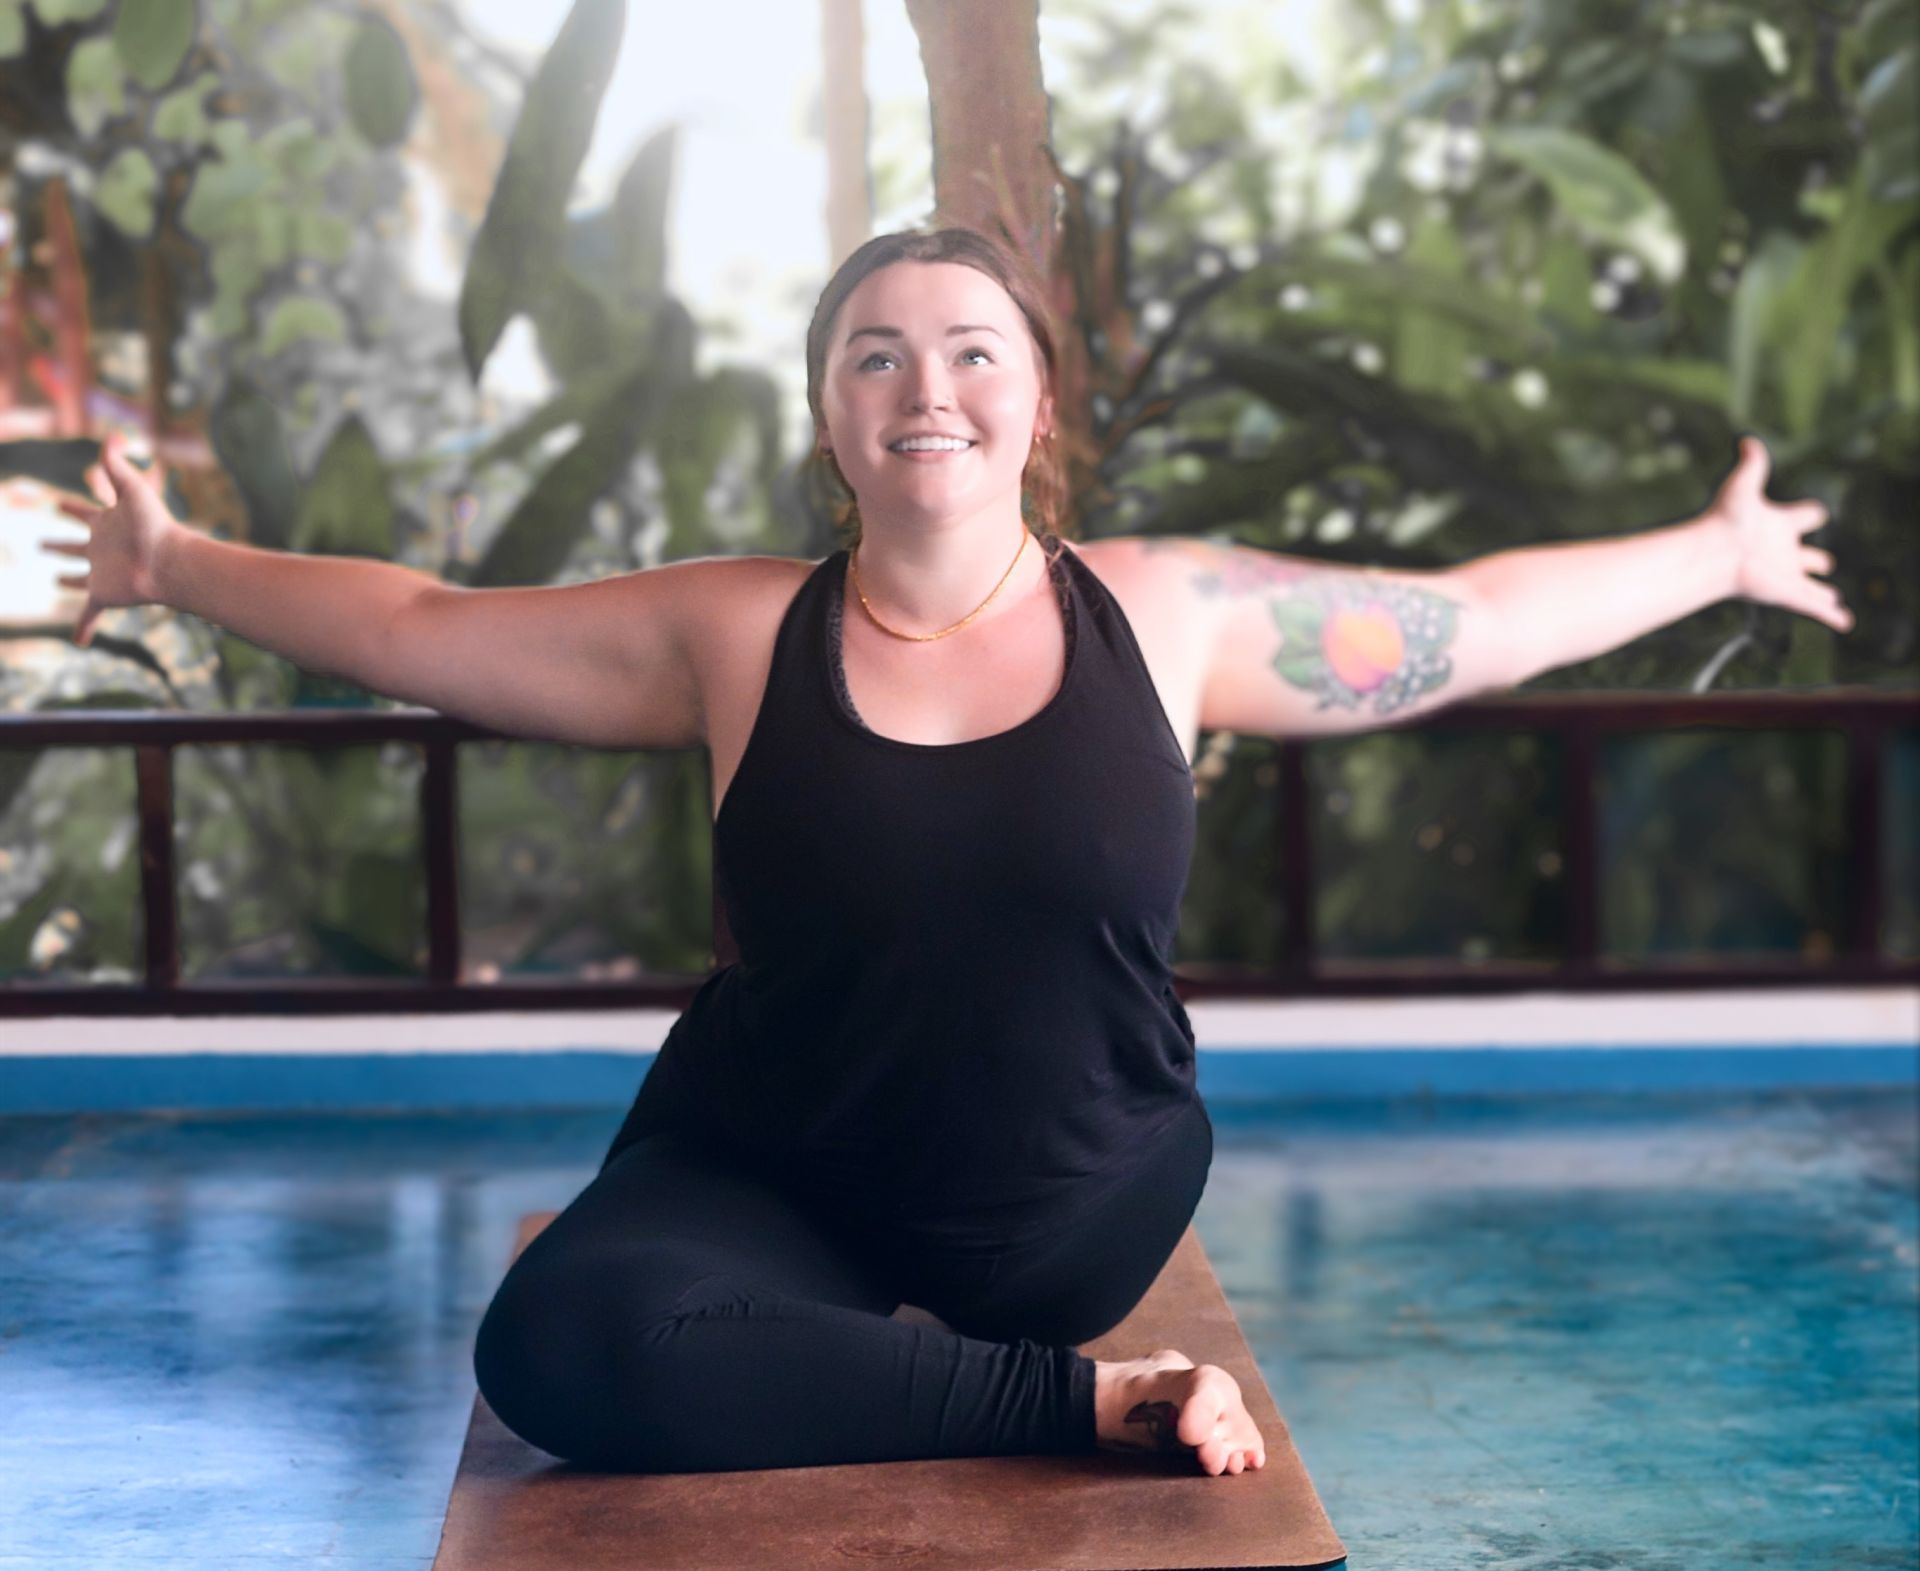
(70, 908)
(1723, 845)
(299, 862)
(581, 863)
(1445, 845)
(1231, 914)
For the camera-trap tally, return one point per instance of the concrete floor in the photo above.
(1537, 1333)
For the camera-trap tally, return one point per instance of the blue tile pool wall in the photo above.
(56, 1083)
(1515, 1332)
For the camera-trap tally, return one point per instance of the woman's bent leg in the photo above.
(683, 1316)
(1081, 1284)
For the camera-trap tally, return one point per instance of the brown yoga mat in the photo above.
(515, 1508)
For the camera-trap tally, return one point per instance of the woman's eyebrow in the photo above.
(894, 332)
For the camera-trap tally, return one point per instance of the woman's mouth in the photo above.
(932, 454)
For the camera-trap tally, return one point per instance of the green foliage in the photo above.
(13, 28)
(512, 253)
(96, 87)
(638, 219)
(734, 407)
(1802, 322)
(529, 547)
(382, 94)
(56, 12)
(1885, 54)
(152, 37)
(125, 192)
(346, 508)
(262, 167)
(1600, 193)
(302, 318)
(181, 116)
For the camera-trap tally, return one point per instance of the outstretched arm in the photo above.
(1299, 647)
(1558, 604)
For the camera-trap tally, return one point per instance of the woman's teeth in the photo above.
(931, 444)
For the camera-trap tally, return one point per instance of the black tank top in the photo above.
(953, 1012)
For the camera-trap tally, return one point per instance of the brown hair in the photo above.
(1043, 483)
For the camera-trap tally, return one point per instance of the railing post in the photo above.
(1866, 798)
(440, 831)
(153, 785)
(1297, 939)
(1580, 841)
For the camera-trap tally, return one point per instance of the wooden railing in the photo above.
(1866, 719)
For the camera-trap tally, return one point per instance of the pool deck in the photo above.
(1654, 1331)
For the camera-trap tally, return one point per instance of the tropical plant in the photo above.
(240, 202)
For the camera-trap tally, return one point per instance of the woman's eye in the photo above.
(881, 354)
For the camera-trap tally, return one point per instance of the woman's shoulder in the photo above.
(725, 598)
(1135, 569)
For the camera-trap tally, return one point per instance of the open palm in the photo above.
(1775, 568)
(126, 536)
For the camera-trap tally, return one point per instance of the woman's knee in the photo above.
(569, 1367)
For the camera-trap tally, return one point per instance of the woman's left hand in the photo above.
(1770, 563)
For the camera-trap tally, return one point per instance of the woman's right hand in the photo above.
(127, 533)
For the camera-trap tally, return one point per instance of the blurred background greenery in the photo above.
(1394, 283)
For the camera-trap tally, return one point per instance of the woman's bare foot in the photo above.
(1164, 1403)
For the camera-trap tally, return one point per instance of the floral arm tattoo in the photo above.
(1345, 637)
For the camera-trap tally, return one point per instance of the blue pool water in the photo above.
(1541, 1332)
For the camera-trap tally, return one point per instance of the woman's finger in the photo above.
(120, 468)
(1809, 516)
(73, 507)
(1814, 560)
(64, 547)
(100, 486)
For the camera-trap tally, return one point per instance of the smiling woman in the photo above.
(949, 1066)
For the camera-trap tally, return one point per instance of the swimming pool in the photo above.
(1544, 1331)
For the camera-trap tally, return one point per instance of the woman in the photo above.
(953, 821)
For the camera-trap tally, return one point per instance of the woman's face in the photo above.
(897, 365)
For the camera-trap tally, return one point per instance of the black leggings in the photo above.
(685, 1315)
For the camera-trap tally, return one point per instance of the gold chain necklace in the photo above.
(853, 565)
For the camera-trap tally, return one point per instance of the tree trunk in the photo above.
(844, 111)
(991, 130)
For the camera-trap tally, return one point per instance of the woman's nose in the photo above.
(929, 389)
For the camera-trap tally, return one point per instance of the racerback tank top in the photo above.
(953, 1013)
